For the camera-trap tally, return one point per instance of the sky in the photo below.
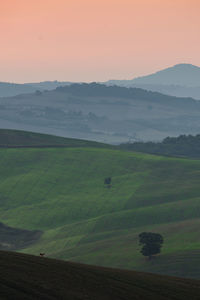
(95, 40)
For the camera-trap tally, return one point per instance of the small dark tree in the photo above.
(152, 243)
(38, 93)
(107, 181)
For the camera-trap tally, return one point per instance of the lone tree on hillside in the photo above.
(152, 243)
(107, 181)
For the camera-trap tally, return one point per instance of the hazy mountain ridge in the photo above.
(101, 90)
(8, 89)
(109, 114)
(182, 80)
(180, 74)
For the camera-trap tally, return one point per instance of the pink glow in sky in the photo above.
(95, 40)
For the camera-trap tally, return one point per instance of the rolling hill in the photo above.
(60, 191)
(18, 138)
(105, 114)
(29, 277)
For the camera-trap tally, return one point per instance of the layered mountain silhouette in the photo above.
(97, 112)
(8, 89)
(181, 80)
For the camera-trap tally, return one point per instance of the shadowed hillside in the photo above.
(19, 138)
(29, 277)
(14, 238)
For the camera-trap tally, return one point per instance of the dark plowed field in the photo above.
(29, 277)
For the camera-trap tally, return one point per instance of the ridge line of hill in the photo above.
(101, 89)
(10, 138)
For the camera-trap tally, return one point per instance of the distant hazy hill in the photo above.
(12, 89)
(181, 74)
(172, 90)
(108, 114)
(182, 80)
(48, 85)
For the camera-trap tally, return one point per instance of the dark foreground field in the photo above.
(30, 277)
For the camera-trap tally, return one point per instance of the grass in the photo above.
(19, 138)
(61, 192)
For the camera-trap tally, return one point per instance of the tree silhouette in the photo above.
(152, 243)
(107, 181)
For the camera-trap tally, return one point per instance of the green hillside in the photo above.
(29, 277)
(19, 138)
(61, 192)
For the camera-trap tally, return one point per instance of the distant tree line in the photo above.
(184, 145)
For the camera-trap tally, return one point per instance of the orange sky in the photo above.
(95, 40)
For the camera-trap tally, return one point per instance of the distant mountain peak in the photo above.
(182, 67)
(183, 74)
(186, 65)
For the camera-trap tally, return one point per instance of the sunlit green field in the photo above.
(61, 191)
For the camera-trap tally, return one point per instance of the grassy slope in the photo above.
(19, 138)
(61, 191)
(29, 277)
